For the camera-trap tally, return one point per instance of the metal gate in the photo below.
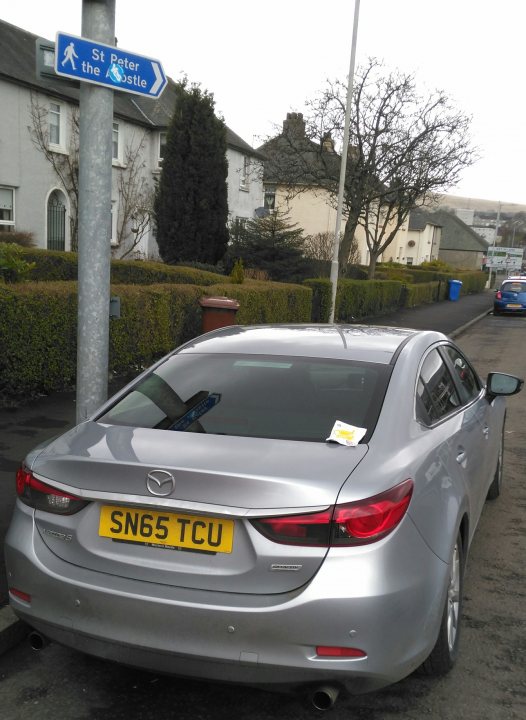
(56, 223)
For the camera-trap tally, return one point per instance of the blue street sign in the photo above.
(106, 65)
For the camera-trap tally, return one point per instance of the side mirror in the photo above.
(503, 384)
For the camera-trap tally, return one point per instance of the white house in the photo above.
(39, 154)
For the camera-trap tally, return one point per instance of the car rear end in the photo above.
(196, 529)
(511, 297)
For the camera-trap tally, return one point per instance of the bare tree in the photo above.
(135, 194)
(404, 149)
(320, 247)
(65, 165)
(136, 198)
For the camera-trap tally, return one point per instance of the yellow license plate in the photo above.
(153, 527)
(514, 305)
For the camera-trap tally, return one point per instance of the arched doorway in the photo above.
(56, 221)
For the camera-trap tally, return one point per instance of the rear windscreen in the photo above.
(254, 396)
(515, 287)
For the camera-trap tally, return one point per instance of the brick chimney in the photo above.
(294, 125)
(327, 144)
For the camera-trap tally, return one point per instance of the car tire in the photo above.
(496, 484)
(445, 653)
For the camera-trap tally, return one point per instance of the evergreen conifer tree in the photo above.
(272, 244)
(191, 206)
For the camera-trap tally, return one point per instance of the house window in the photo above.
(7, 208)
(55, 120)
(245, 171)
(410, 260)
(162, 147)
(115, 142)
(270, 197)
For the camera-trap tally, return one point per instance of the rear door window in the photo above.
(467, 381)
(436, 394)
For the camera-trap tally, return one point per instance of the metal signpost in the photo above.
(101, 68)
(107, 65)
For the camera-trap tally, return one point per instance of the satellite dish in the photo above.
(261, 212)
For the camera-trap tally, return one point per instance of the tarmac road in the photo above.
(488, 683)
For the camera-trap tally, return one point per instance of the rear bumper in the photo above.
(504, 307)
(367, 599)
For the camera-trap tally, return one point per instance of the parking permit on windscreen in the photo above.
(344, 434)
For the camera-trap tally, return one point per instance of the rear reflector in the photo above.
(337, 652)
(20, 594)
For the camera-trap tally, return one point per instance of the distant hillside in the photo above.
(478, 205)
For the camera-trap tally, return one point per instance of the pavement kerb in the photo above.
(13, 630)
(464, 327)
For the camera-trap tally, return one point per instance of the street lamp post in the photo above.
(343, 165)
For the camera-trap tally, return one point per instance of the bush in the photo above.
(24, 239)
(237, 274)
(421, 293)
(154, 320)
(13, 266)
(355, 299)
(59, 265)
(267, 302)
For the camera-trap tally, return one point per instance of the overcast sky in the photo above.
(262, 60)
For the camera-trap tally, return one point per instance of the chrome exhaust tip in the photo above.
(324, 697)
(36, 640)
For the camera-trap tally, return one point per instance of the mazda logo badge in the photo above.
(160, 483)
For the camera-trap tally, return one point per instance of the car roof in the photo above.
(366, 343)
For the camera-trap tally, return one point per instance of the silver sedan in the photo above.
(277, 505)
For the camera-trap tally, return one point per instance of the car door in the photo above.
(479, 424)
(453, 472)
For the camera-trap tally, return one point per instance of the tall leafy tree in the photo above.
(191, 206)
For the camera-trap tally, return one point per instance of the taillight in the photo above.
(355, 523)
(498, 295)
(40, 496)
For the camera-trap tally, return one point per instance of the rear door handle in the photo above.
(461, 457)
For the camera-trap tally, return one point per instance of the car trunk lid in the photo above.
(207, 485)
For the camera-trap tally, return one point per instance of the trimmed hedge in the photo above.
(368, 298)
(264, 302)
(421, 293)
(59, 265)
(355, 298)
(38, 338)
(38, 327)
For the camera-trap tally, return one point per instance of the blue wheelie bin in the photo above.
(454, 289)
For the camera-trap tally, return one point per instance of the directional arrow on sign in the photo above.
(106, 65)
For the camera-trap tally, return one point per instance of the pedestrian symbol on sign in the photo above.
(69, 55)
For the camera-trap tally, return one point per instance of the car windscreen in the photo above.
(285, 398)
